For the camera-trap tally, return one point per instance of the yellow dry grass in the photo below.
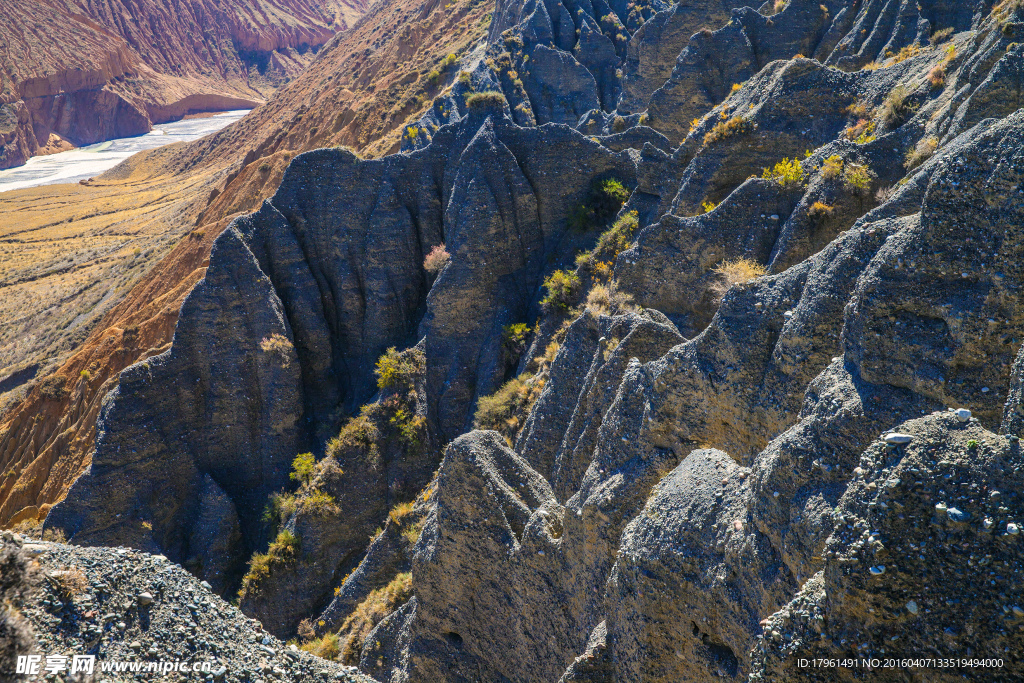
(740, 270)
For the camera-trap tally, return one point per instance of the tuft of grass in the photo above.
(737, 125)
(325, 647)
(897, 107)
(922, 151)
(377, 605)
(904, 54)
(70, 582)
(606, 299)
(504, 410)
(284, 550)
(937, 77)
(737, 271)
(400, 511)
(788, 173)
(482, 101)
(941, 36)
(318, 504)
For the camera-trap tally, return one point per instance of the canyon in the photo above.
(646, 342)
(77, 72)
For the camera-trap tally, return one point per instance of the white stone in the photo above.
(897, 438)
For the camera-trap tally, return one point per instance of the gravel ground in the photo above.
(130, 606)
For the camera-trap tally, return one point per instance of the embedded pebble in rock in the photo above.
(912, 606)
(963, 414)
(1012, 529)
(957, 515)
(119, 618)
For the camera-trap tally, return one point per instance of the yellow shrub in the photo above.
(787, 172)
(833, 167)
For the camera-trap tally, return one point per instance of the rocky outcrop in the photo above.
(122, 606)
(333, 281)
(727, 442)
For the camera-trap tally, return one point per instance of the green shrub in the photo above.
(434, 77)
(563, 288)
(279, 508)
(358, 433)
(302, 468)
(411, 428)
(832, 168)
(514, 336)
(618, 238)
(490, 99)
(396, 370)
(605, 197)
(857, 178)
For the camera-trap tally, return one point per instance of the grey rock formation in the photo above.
(703, 473)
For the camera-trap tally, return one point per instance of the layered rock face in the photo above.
(796, 437)
(76, 73)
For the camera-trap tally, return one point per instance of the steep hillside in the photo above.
(75, 72)
(110, 304)
(725, 379)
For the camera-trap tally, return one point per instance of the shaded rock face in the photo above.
(300, 300)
